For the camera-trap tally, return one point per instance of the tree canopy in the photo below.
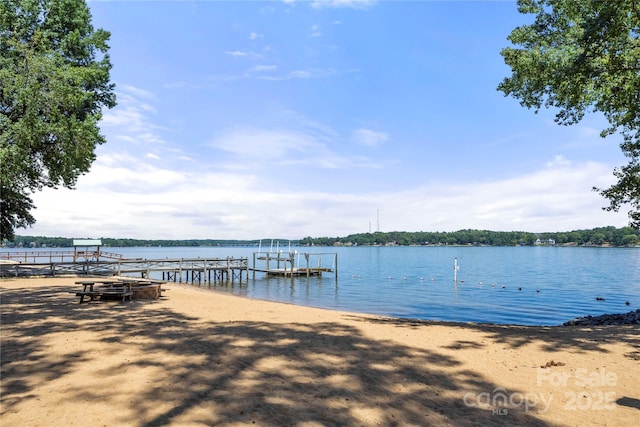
(598, 236)
(608, 236)
(54, 83)
(583, 56)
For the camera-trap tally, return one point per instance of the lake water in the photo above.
(508, 285)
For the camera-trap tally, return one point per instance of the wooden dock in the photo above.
(57, 256)
(288, 264)
(190, 270)
(177, 270)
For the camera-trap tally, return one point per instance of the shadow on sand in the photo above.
(245, 372)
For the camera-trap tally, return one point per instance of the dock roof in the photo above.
(87, 242)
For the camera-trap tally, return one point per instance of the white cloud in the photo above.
(137, 92)
(123, 197)
(263, 72)
(558, 161)
(263, 68)
(236, 53)
(243, 54)
(309, 73)
(368, 137)
(309, 145)
(130, 120)
(315, 31)
(256, 148)
(301, 74)
(556, 198)
(268, 145)
(355, 4)
(129, 174)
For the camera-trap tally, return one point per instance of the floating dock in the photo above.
(290, 264)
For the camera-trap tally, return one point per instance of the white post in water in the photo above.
(455, 270)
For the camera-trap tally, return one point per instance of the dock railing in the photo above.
(55, 256)
(280, 263)
(189, 269)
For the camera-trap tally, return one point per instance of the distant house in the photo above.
(547, 242)
(89, 249)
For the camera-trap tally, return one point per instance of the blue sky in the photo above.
(286, 119)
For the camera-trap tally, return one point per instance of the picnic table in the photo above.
(118, 288)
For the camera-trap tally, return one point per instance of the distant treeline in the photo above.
(596, 237)
(609, 236)
(67, 242)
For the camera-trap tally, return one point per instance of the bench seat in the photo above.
(120, 292)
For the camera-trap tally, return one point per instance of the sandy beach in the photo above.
(201, 358)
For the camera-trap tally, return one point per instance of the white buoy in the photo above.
(455, 270)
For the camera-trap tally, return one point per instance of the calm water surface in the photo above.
(519, 285)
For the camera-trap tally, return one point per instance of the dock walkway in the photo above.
(176, 270)
(191, 270)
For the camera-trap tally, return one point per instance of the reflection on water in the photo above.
(523, 285)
